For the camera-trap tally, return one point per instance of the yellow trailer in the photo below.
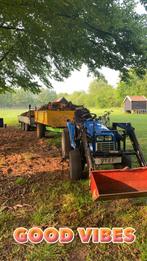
(52, 118)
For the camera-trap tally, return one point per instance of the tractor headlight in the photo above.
(108, 138)
(103, 138)
(100, 138)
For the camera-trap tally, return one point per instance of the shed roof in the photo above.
(136, 98)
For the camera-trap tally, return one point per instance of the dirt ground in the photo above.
(21, 153)
(26, 159)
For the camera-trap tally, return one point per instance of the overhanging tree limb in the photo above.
(5, 55)
(68, 33)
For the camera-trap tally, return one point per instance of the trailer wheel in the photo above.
(22, 126)
(126, 162)
(75, 164)
(26, 127)
(40, 130)
(65, 144)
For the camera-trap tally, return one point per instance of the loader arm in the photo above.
(87, 150)
(130, 132)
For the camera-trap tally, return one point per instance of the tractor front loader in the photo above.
(87, 142)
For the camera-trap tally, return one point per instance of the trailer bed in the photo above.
(54, 119)
(27, 120)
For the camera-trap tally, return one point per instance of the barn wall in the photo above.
(127, 105)
(139, 105)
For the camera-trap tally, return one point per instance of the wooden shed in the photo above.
(135, 104)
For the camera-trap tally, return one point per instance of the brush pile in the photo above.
(59, 104)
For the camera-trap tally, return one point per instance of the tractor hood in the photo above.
(96, 128)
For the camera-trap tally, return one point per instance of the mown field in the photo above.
(11, 115)
(139, 121)
(51, 199)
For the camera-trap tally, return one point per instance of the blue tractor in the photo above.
(86, 141)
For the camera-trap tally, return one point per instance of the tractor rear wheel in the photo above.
(75, 164)
(65, 144)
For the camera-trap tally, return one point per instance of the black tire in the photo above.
(22, 126)
(41, 130)
(65, 144)
(26, 127)
(75, 164)
(126, 162)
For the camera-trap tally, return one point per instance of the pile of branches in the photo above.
(59, 106)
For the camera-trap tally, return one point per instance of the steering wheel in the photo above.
(84, 115)
(94, 116)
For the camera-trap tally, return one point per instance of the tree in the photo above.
(45, 96)
(144, 2)
(101, 94)
(134, 86)
(47, 39)
(6, 100)
(22, 99)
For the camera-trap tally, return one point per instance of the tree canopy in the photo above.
(43, 40)
(99, 95)
(144, 2)
(134, 86)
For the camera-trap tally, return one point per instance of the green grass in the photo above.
(69, 204)
(20, 181)
(11, 116)
(56, 130)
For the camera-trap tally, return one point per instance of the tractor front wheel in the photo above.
(126, 162)
(75, 164)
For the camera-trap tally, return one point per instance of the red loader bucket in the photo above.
(120, 183)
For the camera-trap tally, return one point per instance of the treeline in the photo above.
(22, 99)
(100, 94)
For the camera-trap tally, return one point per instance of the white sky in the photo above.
(80, 81)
